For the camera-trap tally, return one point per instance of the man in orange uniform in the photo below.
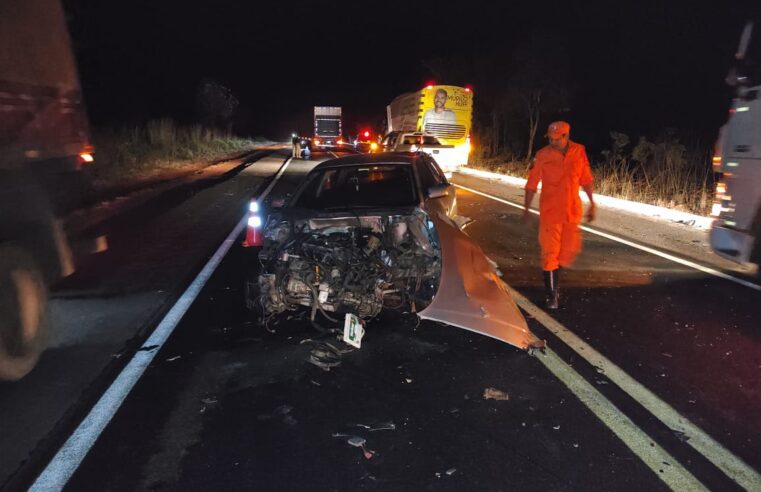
(562, 166)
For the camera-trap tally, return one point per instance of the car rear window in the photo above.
(418, 139)
(359, 186)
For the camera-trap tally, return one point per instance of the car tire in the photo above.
(23, 313)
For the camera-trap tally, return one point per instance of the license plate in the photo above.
(353, 330)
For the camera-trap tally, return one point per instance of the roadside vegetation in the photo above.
(159, 148)
(663, 173)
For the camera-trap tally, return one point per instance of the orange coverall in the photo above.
(560, 209)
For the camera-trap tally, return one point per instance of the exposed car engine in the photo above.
(355, 264)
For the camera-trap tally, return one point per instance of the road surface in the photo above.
(650, 380)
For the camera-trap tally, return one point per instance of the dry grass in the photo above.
(160, 146)
(660, 174)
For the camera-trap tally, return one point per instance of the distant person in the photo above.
(296, 146)
(562, 167)
(439, 114)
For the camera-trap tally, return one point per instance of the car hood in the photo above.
(471, 295)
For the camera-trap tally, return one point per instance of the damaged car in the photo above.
(368, 233)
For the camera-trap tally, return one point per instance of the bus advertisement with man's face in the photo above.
(446, 112)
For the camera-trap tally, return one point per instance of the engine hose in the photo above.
(316, 305)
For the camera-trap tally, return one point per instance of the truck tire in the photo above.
(23, 313)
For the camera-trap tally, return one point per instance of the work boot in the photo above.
(551, 289)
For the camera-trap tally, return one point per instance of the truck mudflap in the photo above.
(471, 294)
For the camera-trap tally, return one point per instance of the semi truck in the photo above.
(442, 111)
(327, 126)
(736, 230)
(44, 148)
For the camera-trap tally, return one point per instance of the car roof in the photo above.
(407, 158)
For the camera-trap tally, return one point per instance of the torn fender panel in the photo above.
(471, 295)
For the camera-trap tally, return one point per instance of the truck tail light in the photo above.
(254, 226)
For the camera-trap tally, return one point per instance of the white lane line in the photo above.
(667, 256)
(70, 456)
(732, 466)
(333, 154)
(274, 180)
(660, 462)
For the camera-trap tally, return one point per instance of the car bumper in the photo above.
(732, 244)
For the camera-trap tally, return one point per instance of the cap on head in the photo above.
(558, 129)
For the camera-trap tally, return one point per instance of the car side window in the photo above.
(427, 178)
(436, 173)
(390, 139)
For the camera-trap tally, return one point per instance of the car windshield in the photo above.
(359, 186)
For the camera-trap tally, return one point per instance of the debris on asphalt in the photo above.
(314, 382)
(408, 380)
(451, 471)
(172, 359)
(377, 427)
(556, 427)
(324, 355)
(284, 411)
(359, 442)
(495, 394)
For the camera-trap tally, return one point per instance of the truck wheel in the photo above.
(23, 313)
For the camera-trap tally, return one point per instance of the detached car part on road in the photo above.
(368, 233)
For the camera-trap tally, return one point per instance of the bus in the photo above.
(444, 111)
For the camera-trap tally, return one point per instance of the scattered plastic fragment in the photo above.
(495, 394)
(359, 442)
(557, 427)
(171, 359)
(377, 427)
(451, 471)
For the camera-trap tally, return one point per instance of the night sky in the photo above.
(636, 67)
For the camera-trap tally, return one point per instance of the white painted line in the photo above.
(660, 462)
(734, 467)
(333, 154)
(274, 180)
(663, 214)
(647, 249)
(70, 456)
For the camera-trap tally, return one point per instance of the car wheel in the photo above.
(23, 313)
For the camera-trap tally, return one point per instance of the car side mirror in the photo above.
(438, 191)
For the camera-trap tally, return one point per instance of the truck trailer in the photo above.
(44, 147)
(327, 126)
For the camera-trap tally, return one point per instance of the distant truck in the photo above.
(443, 111)
(44, 145)
(446, 156)
(736, 231)
(327, 126)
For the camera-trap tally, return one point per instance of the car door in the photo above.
(471, 295)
